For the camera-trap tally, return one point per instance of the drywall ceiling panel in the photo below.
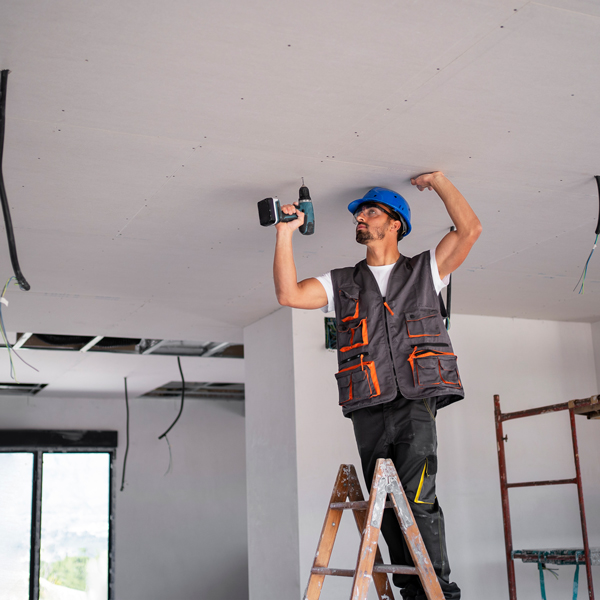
(586, 7)
(260, 73)
(539, 296)
(101, 375)
(47, 366)
(515, 102)
(133, 165)
(75, 180)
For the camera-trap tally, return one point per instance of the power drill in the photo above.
(269, 212)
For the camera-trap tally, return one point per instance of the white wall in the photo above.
(180, 536)
(325, 439)
(596, 340)
(271, 458)
(529, 363)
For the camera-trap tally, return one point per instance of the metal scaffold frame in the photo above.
(591, 408)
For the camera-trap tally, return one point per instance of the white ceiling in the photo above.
(140, 136)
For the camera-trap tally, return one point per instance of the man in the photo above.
(396, 363)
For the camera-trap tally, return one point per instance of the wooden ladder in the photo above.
(347, 494)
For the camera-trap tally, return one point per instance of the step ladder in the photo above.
(347, 495)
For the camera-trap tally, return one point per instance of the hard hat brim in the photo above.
(355, 204)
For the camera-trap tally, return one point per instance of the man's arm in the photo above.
(308, 293)
(455, 246)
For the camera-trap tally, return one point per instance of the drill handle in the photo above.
(308, 227)
(283, 218)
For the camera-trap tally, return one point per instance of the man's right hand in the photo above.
(291, 209)
(306, 294)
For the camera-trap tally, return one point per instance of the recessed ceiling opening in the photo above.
(119, 345)
(199, 390)
(21, 389)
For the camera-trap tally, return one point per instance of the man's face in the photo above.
(372, 223)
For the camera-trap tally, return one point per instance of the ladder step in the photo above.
(377, 568)
(357, 505)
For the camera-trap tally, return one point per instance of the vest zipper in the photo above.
(387, 336)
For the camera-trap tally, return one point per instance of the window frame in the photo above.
(39, 442)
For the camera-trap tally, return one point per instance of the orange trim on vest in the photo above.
(354, 316)
(365, 337)
(410, 335)
(373, 377)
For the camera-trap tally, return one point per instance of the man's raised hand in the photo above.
(425, 181)
(291, 209)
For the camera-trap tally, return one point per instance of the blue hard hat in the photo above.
(388, 198)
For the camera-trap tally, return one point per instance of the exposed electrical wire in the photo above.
(597, 232)
(182, 400)
(170, 456)
(583, 275)
(12, 247)
(164, 435)
(4, 302)
(9, 348)
(127, 444)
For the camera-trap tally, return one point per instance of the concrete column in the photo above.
(296, 439)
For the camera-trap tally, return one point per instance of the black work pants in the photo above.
(404, 430)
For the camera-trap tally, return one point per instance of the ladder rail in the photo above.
(380, 579)
(370, 538)
(328, 534)
(508, 543)
(347, 495)
(584, 534)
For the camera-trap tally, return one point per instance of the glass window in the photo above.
(56, 488)
(16, 485)
(75, 519)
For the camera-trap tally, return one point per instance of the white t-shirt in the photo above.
(382, 276)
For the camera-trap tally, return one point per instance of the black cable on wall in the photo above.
(127, 446)
(12, 247)
(182, 401)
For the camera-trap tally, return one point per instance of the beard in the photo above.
(363, 236)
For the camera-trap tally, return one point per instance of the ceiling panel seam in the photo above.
(104, 130)
(562, 8)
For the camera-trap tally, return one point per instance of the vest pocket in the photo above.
(358, 382)
(348, 304)
(353, 337)
(433, 368)
(449, 371)
(422, 323)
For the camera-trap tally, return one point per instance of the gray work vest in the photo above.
(391, 344)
